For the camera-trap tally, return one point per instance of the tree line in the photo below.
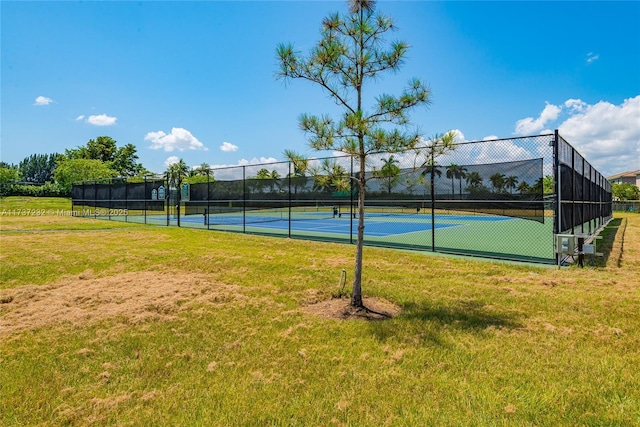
(53, 174)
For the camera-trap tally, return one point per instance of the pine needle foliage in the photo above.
(351, 54)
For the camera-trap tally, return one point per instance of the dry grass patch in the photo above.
(84, 299)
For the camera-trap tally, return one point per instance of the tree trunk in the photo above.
(356, 296)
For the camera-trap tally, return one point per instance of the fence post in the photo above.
(557, 217)
(144, 202)
(573, 190)
(289, 183)
(352, 178)
(167, 197)
(109, 202)
(126, 200)
(584, 198)
(206, 216)
(178, 200)
(433, 204)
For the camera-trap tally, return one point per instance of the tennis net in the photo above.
(240, 216)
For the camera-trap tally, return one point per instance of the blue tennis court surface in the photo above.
(375, 226)
(344, 226)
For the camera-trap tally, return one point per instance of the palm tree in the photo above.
(460, 173)
(510, 183)
(456, 172)
(436, 146)
(176, 173)
(537, 187)
(390, 171)
(204, 170)
(524, 188)
(451, 174)
(474, 179)
(497, 180)
(264, 174)
(199, 173)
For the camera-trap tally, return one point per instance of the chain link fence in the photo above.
(503, 198)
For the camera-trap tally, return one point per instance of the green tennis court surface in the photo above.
(481, 235)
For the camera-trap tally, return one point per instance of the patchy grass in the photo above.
(46, 214)
(13, 203)
(143, 325)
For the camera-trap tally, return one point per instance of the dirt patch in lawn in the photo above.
(341, 309)
(85, 299)
(137, 297)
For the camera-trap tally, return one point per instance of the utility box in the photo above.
(591, 248)
(565, 244)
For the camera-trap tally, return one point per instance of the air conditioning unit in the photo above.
(565, 244)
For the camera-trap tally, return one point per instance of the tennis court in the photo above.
(503, 199)
(481, 235)
(375, 225)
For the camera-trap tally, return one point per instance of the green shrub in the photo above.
(48, 189)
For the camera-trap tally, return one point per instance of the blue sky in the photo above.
(196, 80)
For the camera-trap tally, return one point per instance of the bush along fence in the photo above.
(505, 198)
(47, 189)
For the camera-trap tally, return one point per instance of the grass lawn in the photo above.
(113, 323)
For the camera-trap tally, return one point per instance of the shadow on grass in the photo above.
(428, 323)
(605, 245)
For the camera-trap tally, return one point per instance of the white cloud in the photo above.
(411, 158)
(257, 161)
(233, 171)
(101, 120)
(606, 135)
(179, 139)
(529, 125)
(245, 162)
(576, 105)
(80, 117)
(43, 100)
(458, 136)
(591, 57)
(501, 151)
(490, 138)
(171, 160)
(228, 147)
